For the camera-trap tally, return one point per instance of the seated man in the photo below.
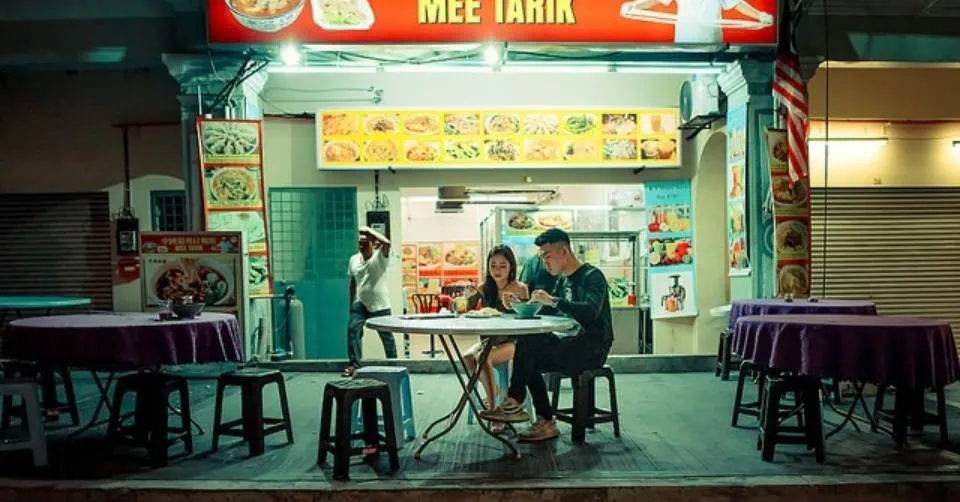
(581, 294)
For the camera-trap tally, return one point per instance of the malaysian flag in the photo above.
(788, 85)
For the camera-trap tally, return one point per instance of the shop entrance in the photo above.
(313, 234)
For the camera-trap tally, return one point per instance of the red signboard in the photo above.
(735, 22)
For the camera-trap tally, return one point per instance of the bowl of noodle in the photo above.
(265, 16)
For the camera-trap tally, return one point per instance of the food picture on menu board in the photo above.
(251, 223)
(738, 254)
(659, 149)
(233, 187)
(429, 257)
(793, 280)
(340, 124)
(208, 280)
(777, 151)
(341, 151)
(382, 124)
(665, 252)
(669, 218)
(736, 219)
(792, 239)
(786, 193)
(259, 275)
(736, 181)
(428, 286)
(225, 141)
(460, 256)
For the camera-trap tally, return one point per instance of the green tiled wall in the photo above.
(313, 234)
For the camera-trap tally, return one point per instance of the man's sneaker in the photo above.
(509, 412)
(543, 430)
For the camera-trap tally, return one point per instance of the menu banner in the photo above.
(521, 138)
(791, 217)
(744, 22)
(670, 258)
(534, 222)
(737, 250)
(205, 266)
(231, 173)
(429, 266)
(190, 242)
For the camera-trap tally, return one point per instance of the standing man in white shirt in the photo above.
(369, 296)
(698, 21)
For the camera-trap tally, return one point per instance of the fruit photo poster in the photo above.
(669, 247)
(737, 250)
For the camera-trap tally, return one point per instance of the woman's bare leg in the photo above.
(470, 362)
(500, 354)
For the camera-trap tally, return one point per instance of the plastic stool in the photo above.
(36, 441)
(501, 377)
(401, 399)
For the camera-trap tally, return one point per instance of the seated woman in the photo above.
(501, 279)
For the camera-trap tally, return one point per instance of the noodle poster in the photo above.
(231, 175)
(791, 219)
(670, 259)
(429, 267)
(738, 256)
(377, 139)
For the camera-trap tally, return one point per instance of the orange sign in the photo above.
(735, 22)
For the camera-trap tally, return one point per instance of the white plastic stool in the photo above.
(36, 440)
(401, 398)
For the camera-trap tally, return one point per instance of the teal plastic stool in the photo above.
(401, 399)
(501, 376)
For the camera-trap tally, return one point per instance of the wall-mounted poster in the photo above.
(374, 139)
(791, 217)
(670, 256)
(231, 171)
(738, 257)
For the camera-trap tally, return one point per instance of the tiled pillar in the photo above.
(748, 82)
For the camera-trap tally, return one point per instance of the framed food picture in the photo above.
(233, 187)
(429, 259)
(251, 223)
(210, 279)
(230, 142)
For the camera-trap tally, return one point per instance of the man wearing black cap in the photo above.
(581, 294)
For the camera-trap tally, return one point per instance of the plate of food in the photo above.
(422, 124)
(382, 123)
(778, 150)
(789, 194)
(422, 151)
(547, 221)
(541, 124)
(579, 124)
(619, 124)
(341, 151)
(793, 280)
(342, 15)
(580, 150)
(204, 279)
(620, 149)
(521, 221)
(429, 256)
(222, 138)
(792, 239)
(502, 150)
(381, 151)
(462, 150)
(538, 150)
(484, 313)
(339, 124)
(460, 256)
(503, 123)
(461, 124)
(249, 222)
(266, 16)
(233, 187)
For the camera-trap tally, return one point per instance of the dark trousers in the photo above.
(548, 353)
(358, 316)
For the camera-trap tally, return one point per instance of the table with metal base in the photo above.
(447, 328)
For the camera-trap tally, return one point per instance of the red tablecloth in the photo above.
(901, 351)
(123, 340)
(743, 308)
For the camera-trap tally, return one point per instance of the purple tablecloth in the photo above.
(123, 340)
(903, 351)
(743, 308)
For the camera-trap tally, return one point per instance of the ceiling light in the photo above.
(491, 56)
(291, 56)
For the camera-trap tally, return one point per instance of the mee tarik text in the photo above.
(505, 11)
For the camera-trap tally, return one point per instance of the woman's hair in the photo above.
(491, 293)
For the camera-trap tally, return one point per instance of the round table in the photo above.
(19, 303)
(112, 342)
(771, 306)
(123, 341)
(448, 328)
(910, 353)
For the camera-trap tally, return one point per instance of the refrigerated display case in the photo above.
(610, 238)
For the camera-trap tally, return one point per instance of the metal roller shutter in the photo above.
(57, 244)
(899, 247)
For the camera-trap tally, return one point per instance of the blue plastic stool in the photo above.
(501, 376)
(401, 399)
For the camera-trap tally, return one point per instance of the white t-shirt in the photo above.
(698, 21)
(371, 279)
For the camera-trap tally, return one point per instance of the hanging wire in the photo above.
(826, 147)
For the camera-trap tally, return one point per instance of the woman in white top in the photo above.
(698, 21)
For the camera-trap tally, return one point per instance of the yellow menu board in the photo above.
(465, 138)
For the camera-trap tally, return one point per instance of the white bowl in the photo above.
(267, 24)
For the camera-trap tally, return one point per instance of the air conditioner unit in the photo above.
(701, 102)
